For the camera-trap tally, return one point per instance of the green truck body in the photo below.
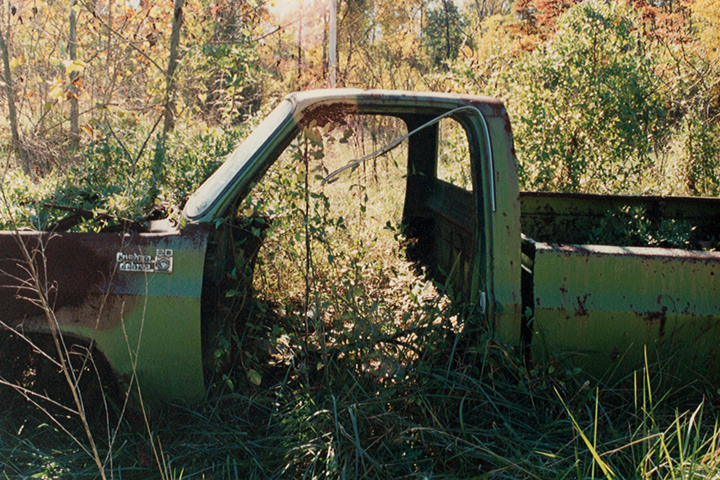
(150, 300)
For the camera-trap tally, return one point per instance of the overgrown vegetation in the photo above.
(630, 226)
(383, 376)
(118, 179)
(588, 103)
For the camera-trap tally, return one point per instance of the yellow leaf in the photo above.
(76, 8)
(56, 91)
(74, 66)
(254, 377)
(17, 61)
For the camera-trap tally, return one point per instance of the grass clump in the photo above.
(482, 416)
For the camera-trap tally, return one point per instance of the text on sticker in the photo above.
(162, 262)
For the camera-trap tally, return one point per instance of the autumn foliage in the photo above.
(81, 72)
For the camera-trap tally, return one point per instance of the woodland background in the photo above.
(589, 89)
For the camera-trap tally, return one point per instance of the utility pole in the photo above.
(332, 54)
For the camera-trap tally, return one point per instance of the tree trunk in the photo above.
(12, 114)
(447, 30)
(172, 66)
(332, 47)
(74, 79)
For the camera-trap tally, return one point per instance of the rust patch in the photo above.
(660, 317)
(494, 105)
(582, 310)
(69, 270)
(99, 312)
(323, 114)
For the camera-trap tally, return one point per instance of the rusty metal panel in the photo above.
(136, 295)
(503, 233)
(604, 305)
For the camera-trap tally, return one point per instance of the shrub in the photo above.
(585, 106)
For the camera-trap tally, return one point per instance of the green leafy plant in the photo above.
(118, 180)
(586, 105)
(631, 226)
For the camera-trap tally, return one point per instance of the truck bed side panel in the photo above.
(605, 304)
(554, 217)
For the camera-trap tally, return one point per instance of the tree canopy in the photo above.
(598, 91)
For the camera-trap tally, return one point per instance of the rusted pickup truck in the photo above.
(149, 300)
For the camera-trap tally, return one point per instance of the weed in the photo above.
(631, 226)
(117, 180)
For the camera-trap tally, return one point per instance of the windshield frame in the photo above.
(228, 176)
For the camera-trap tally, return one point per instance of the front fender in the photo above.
(135, 296)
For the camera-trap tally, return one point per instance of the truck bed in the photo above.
(605, 305)
(571, 218)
